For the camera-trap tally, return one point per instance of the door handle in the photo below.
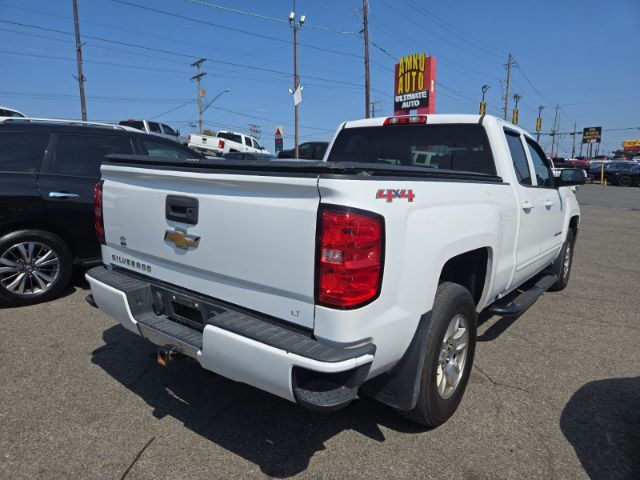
(527, 205)
(548, 203)
(63, 195)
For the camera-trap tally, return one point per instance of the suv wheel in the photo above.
(624, 181)
(451, 342)
(35, 266)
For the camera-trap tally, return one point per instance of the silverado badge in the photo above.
(181, 239)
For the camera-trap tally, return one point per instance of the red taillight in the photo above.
(189, 138)
(97, 209)
(220, 143)
(406, 120)
(350, 258)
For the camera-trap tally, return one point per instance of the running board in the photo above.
(523, 301)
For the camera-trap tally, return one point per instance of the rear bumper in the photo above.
(243, 346)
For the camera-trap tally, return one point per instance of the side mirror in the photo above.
(570, 177)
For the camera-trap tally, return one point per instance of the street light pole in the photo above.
(516, 98)
(205, 108)
(483, 104)
(539, 123)
(296, 25)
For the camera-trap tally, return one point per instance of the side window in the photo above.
(247, 141)
(304, 150)
(154, 127)
(81, 155)
(22, 151)
(519, 158)
(168, 130)
(165, 150)
(321, 149)
(257, 145)
(539, 160)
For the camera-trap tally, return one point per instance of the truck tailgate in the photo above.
(256, 235)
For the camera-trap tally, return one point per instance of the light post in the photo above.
(215, 98)
(516, 98)
(295, 25)
(483, 104)
(539, 123)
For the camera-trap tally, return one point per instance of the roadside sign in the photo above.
(592, 135)
(279, 133)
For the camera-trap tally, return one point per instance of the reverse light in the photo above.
(406, 120)
(350, 257)
(97, 209)
(220, 143)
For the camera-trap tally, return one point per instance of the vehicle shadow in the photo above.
(275, 434)
(602, 423)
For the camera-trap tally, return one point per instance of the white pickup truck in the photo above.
(360, 274)
(224, 142)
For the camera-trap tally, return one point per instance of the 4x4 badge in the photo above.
(181, 239)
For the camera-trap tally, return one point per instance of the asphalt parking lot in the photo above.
(553, 394)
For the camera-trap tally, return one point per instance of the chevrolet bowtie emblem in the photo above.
(181, 239)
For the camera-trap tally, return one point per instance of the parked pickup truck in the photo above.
(224, 142)
(363, 273)
(154, 128)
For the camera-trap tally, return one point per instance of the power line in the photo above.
(233, 29)
(272, 19)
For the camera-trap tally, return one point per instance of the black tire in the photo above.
(432, 409)
(625, 181)
(60, 281)
(559, 267)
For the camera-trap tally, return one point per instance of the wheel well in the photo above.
(469, 270)
(14, 227)
(573, 225)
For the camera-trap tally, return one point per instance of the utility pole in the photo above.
(373, 107)
(506, 96)
(197, 78)
(256, 131)
(573, 148)
(80, 77)
(539, 123)
(367, 78)
(296, 25)
(555, 129)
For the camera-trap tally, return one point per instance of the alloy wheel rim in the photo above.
(453, 356)
(29, 268)
(567, 261)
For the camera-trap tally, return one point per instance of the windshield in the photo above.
(463, 147)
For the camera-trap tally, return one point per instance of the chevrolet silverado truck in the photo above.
(362, 274)
(224, 142)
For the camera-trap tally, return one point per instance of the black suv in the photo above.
(48, 173)
(307, 150)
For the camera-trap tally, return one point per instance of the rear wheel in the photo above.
(624, 181)
(35, 266)
(451, 341)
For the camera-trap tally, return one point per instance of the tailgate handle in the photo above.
(182, 209)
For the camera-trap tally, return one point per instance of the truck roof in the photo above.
(437, 118)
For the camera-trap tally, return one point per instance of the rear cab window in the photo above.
(451, 147)
(133, 124)
(22, 152)
(233, 137)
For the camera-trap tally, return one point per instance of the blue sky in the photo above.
(581, 54)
